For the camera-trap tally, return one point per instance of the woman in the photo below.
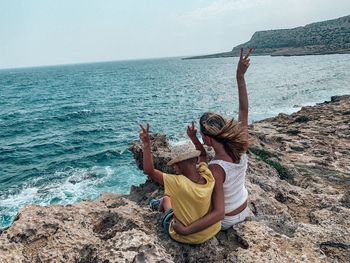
(229, 140)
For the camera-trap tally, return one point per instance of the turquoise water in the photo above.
(65, 130)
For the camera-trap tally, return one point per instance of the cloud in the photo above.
(221, 7)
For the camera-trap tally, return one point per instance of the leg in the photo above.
(165, 207)
(165, 204)
(230, 221)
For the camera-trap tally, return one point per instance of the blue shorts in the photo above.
(166, 220)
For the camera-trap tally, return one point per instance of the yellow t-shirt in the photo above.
(191, 201)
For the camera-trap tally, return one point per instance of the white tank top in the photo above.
(235, 193)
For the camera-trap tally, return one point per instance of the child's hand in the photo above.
(243, 62)
(179, 227)
(192, 131)
(144, 135)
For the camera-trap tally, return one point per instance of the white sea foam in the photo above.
(27, 195)
(68, 187)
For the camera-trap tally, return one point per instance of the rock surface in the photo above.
(298, 179)
(326, 37)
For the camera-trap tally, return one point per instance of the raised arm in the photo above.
(192, 133)
(242, 67)
(218, 209)
(148, 167)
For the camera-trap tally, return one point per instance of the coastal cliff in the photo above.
(326, 37)
(298, 180)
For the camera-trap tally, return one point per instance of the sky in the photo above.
(51, 32)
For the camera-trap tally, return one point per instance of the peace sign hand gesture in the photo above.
(144, 134)
(243, 62)
(192, 131)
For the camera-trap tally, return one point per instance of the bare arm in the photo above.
(215, 215)
(148, 167)
(192, 133)
(242, 67)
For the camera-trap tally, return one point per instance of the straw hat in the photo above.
(182, 151)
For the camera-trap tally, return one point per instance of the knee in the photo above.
(166, 203)
(166, 200)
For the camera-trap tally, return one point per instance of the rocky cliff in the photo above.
(327, 37)
(298, 179)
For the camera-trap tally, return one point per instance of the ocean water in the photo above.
(65, 130)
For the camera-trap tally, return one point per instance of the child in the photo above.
(187, 195)
(229, 140)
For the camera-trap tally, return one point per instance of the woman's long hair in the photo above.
(226, 131)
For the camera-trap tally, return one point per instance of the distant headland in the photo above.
(326, 37)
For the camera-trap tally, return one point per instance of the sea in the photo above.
(65, 130)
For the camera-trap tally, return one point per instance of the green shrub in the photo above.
(283, 172)
(263, 154)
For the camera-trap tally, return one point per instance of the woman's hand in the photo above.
(144, 135)
(243, 63)
(179, 227)
(192, 131)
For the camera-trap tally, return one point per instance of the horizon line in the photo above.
(92, 62)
